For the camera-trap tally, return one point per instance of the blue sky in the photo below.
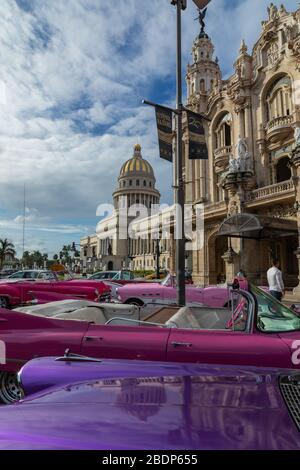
(72, 77)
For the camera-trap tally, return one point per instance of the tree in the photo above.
(66, 254)
(6, 249)
(37, 258)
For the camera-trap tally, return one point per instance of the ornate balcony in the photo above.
(279, 128)
(280, 190)
(222, 157)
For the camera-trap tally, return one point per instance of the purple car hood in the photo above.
(148, 406)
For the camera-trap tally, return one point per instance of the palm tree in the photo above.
(6, 249)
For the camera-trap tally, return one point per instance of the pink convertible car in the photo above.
(18, 292)
(257, 330)
(166, 293)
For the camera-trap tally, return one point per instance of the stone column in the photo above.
(241, 123)
(172, 253)
(248, 129)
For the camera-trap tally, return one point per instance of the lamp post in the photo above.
(178, 173)
(178, 164)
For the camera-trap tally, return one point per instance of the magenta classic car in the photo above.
(166, 293)
(17, 292)
(257, 330)
(113, 404)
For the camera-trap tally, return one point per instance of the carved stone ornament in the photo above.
(273, 54)
(281, 211)
(273, 12)
(297, 136)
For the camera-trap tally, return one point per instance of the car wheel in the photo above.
(10, 390)
(4, 302)
(136, 302)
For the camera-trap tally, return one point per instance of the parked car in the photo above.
(14, 292)
(116, 279)
(257, 331)
(113, 275)
(6, 272)
(166, 292)
(40, 274)
(129, 405)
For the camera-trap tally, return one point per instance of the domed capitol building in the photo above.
(105, 250)
(252, 176)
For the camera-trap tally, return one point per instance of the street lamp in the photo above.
(178, 173)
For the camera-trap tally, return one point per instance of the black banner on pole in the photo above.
(197, 143)
(164, 119)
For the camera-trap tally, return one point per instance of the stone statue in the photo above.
(201, 18)
(243, 156)
(297, 136)
(234, 166)
(273, 12)
(241, 148)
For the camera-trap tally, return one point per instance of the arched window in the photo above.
(223, 136)
(130, 182)
(110, 266)
(202, 84)
(137, 182)
(283, 170)
(145, 184)
(279, 99)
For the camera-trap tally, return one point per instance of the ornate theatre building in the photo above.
(251, 177)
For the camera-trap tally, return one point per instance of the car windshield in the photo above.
(124, 275)
(18, 275)
(272, 315)
(104, 275)
(31, 274)
(169, 281)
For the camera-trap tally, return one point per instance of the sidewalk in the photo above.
(290, 298)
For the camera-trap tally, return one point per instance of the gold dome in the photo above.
(136, 165)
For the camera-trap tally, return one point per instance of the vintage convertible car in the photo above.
(257, 330)
(130, 405)
(166, 292)
(18, 292)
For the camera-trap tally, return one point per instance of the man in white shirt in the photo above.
(275, 281)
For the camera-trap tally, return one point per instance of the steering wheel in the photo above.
(237, 312)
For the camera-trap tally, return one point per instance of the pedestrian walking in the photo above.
(275, 281)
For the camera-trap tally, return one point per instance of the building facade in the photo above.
(251, 139)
